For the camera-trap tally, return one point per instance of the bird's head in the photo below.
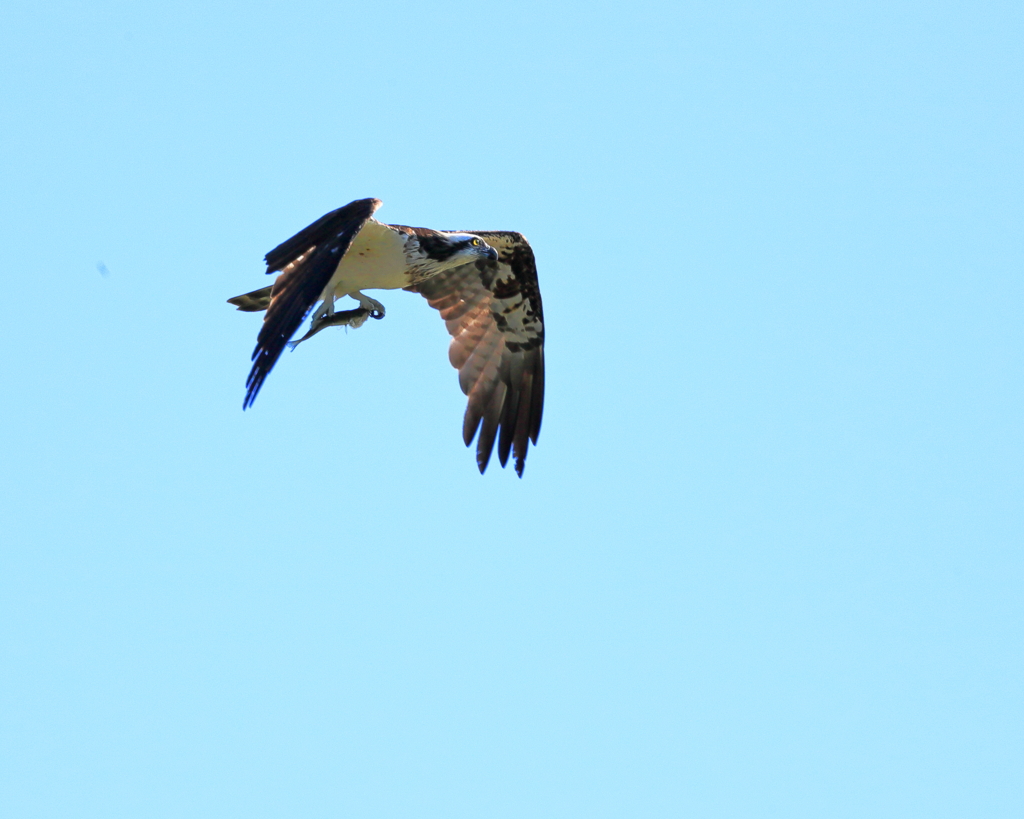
(443, 250)
(469, 248)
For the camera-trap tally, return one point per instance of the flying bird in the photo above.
(482, 282)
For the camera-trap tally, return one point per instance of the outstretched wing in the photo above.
(306, 261)
(493, 312)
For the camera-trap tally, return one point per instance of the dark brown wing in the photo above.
(306, 261)
(494, 314)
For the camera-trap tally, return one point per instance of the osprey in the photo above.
(483, 283)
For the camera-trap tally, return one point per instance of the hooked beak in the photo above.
(492, 254)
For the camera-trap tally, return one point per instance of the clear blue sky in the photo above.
(766, 559)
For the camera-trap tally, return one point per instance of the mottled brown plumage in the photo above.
(494, 314)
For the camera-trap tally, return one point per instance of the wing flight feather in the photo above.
(494, 315)
(306, 261)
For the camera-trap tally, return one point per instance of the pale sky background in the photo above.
(766, 560)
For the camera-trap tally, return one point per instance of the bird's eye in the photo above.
(475, 243)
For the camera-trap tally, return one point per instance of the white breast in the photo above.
(375, 260)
